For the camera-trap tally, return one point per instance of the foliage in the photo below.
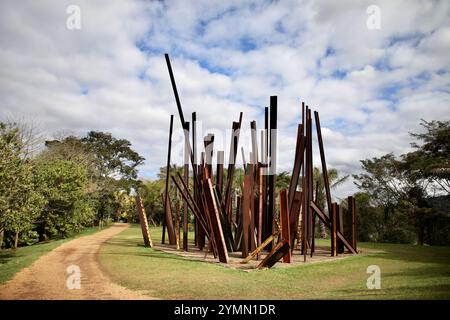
(71, 184)
(68, 207)
(20, 201)
(399, 190)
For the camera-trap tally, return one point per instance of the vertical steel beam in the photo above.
(271, 213)
(323, 161)
(168, 215)
(333, 229)
(284, 222)
(186, 180)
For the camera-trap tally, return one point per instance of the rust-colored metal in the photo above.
(271, 211)
(259, 248)
(246, 198)
(254, 217)
(186, 180)
(167, 210)
(284, 221)
(194, 167)
(352, 210)
(236, 129)
(295, 216)
(219, 172)
(143, 222)
(340, 228)
(278, 252)
(323, 162)
(298, 162)
(333, 219)
(213, 211)
(261, 178)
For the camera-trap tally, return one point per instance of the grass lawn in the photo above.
(12, 261)
(407, 272)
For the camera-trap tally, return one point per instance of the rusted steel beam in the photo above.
(254, 159)
(143, 222)
(245, 214)
(226, 226)
(186, 180)
(192, 205)
(272, 166)
(194, 167)
(260, 179)
(322, 216)
(213, 211)
(323, 161)
(294, 217)
(352, 211)
(219, 172)
(334, 209)
(298, 163)
(340, 228)
(174, 88)
(177, 223)
(284, 222)
(328, 223)
(278, 252)
(209, 149)
(310, 178)
(236, 128)
(168, 214)
(259, 248)
(304, 192)
(346, 243)
(253, 208)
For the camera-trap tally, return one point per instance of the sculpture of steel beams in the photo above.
(257, 221)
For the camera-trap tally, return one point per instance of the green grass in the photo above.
(407, 272)
(12, 261)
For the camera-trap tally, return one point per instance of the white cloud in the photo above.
(370, 87)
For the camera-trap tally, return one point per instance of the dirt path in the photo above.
(46, 278)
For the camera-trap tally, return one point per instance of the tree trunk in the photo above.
(16, 240)
(421, 236)
(2, 234)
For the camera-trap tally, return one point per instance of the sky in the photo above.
(371, 82)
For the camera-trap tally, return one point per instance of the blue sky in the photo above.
(371, 87)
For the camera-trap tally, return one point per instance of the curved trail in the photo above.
(46, 278)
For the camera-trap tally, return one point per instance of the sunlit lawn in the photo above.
(407, 272)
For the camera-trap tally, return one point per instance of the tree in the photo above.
(115, 157)
(431, 160)
(68, 206)
(20, 200)
(401, 186)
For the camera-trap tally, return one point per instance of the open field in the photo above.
(407, 272)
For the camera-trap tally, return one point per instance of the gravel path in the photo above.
(47, 277)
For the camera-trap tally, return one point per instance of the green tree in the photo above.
(68, 207)
(20, 201)
(431, 160)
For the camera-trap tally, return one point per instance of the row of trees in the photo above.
(72, 183)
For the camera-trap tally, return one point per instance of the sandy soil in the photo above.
(47, 277)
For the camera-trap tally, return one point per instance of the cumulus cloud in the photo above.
(370, 86)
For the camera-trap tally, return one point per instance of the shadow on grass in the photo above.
(435, 291)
